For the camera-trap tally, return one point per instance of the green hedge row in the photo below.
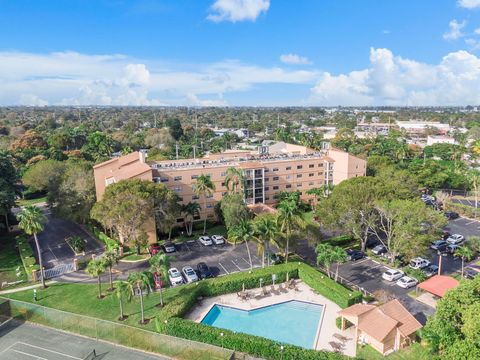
(110, 244)
(464, 210)
(26, 254)
(327, 287)
(253, 345)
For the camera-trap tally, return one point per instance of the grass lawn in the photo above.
(26, 202)
(135, 257)
(82, 299)
(214, 230)
(10, 260)
(414, 352)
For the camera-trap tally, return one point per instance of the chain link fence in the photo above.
(112, 332)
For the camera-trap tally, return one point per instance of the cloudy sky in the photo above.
(240, 52)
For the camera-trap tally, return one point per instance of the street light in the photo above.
(221, 337)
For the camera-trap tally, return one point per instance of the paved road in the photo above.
(466, 202)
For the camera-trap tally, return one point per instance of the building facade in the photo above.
(267, 172)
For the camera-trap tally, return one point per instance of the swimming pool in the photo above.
(292, 322)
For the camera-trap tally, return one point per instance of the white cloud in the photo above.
(455, 30)
(294, 59)
(73, 78)
(477, 31)
(237, 10)
(392, 80)
(469, 4)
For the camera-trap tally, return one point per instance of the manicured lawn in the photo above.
(214, 230)
(135, 257)
(10, 260)
(26, 202)
(414, 352)
(82, 299)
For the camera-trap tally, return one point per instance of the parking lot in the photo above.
(222, 259)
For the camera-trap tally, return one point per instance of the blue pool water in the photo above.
(292, 322)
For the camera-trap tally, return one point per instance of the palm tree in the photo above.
(96, 268)
(31, 220)
(140, 281)
(290, 219)
(464, 253)
(474, 180)
(110, 258)
(324, 256)
(234, 179)
(266, 232)
(204, 186)
(159, 263)
(190, 210)
(338, 256)
(243, 232)
(123, 290)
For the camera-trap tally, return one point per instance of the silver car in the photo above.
(175, 277)
(392, 275)
(189, 274)
(218, 239)
(205, 240)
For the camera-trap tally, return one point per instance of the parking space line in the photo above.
(471, 222)
(31, 355)
(245, 260)
(223, 267)
(52, 351)
(238, 267)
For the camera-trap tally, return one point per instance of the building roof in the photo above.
(439, 284)
(379, 321)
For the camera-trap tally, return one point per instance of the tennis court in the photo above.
(21, 341)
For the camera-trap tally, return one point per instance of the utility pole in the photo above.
(176, 150)
(194, 151)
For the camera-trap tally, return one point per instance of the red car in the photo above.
(154, 249)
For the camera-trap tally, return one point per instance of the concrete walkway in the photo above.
(327, 327)
(30, 287)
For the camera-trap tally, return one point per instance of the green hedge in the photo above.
(26, 254)
(328, 287)
(464, 210)
(110, 244)
(253, 345)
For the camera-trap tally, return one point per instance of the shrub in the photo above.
(342, 240)
(76, 243)
(415, 273)
(110, 244)
(338, 322)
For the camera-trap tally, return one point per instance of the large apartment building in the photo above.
(268, 171)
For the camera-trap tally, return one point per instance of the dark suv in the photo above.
(204, 271)
(355, 255)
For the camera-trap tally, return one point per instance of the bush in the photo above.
(76, 243)
(110, 244)
(327, 287)
(338, 322)
(342, 240)
(415, 273)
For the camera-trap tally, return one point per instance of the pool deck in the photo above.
(327, 327)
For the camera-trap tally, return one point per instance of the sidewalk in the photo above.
(30, 287)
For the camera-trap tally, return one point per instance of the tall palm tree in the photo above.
(465, 253)
(289, 219)
(204, 187)
(110, 258)
(338, 256)
(123, 290)
(234, 180)
(243, 232)
(474, 179)
(266, 232)
(96, 268)
(189, 212)
(159, 263)
(140, 281)
(31, 220)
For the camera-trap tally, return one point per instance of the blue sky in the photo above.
(240, 52)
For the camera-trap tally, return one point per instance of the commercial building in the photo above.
(267, 171)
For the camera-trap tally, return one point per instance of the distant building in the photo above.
(432, 139)
(241, 133)
(416, 127)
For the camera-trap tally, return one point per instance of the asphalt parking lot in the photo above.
(222, 259)
(465, 227)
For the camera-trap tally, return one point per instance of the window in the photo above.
(288, 168)
(310, 184)
(311, 174)
(311, 166)
(209, 196)
(223, 184)
(275, 188)
(266, 170)
(299, 185)
(177, 188)
(275, 169)
(267, 188)
(299, 176)
(320, 165)
(267, 179)
(194, 177)
(320, 173)
(288, 186)
(275, 178)
(299, 167)
(267, 198)
(223, 174)
(195, 197)
(177, 178)
(209, 206)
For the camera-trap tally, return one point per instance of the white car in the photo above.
(189, 274)
(205, 240)
(419, 263)
(455, 239)
(218, 239)
(407, 282)
(175, 277)
(392, 275)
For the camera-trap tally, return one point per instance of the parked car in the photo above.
(436, 245)
(392, 274)
(154, 249)
(430, 270)
(175, 277)
(379, 250)
(218, 239)
(275, 258)
(471, 271)
(204, 271)
(451, 248)
(169, 247)
(419, 263)
(354, 255)
(407, 282)
(455, 239)
(205, 240)
(189, 274)
(451, 215)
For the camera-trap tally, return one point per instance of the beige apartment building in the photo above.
(268, 171)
